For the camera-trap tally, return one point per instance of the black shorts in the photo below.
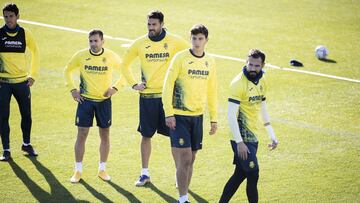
(251, 163)
(188, 132)
(88, 108)
(152, 117)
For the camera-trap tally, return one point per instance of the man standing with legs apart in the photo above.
(155, 51)
(96, 67)
(247, 97)
(190, 83)
(15, 78)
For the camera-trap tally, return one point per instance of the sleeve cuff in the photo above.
(238, 139)
(234, 101)
(169, 113)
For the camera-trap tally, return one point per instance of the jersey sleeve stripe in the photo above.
(234, 101)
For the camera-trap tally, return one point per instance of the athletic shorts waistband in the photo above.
(13, 80)
(94, 100)
(150, 95)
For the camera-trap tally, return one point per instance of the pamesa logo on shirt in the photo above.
(13, 43)
(198, 74)
(157, 55)
(96, 68)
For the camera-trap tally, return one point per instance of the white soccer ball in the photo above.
(321, 52)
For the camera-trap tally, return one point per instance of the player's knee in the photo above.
(81, 138)
(252, 177)
(82, 132)
(25, 110)
(185, 163)
(26, 117)
(105, 139)
(186, 160)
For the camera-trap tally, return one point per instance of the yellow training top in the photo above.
(96, 72)
(249, 95)
(190, 82)
(14, 55)
(155, 56)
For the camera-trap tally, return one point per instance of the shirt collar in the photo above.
(159, 37)
(15, 30)
(96, 54)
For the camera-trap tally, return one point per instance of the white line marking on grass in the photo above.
(215, 55)
(290, 69)
(70, 29)
(313, 73)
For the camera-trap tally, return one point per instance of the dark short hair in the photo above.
(156, 14)
(257, 53)
(199, 29)
(11, 7)
(96, 32)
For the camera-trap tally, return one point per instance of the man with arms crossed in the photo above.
(96, 67)
(190, 83)
(15, 77)
(155, 50)
(247, 97)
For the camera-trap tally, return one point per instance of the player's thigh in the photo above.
(85, 114)
(149, 116)
(103, 113)
(21, 92)
(5, 97)
(251, 163)
(162, 128)
(180, 137)
(197, 133)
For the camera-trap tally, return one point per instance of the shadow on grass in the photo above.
(165, 196)
(197, 197)
(94, 192)
(124, 192)
(58, 192)
(328, 60)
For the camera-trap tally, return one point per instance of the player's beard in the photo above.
(253, 74)
(153, 33)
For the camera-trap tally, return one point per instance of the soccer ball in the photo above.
(321, 52)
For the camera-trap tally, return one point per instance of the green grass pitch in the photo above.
(316, 119)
